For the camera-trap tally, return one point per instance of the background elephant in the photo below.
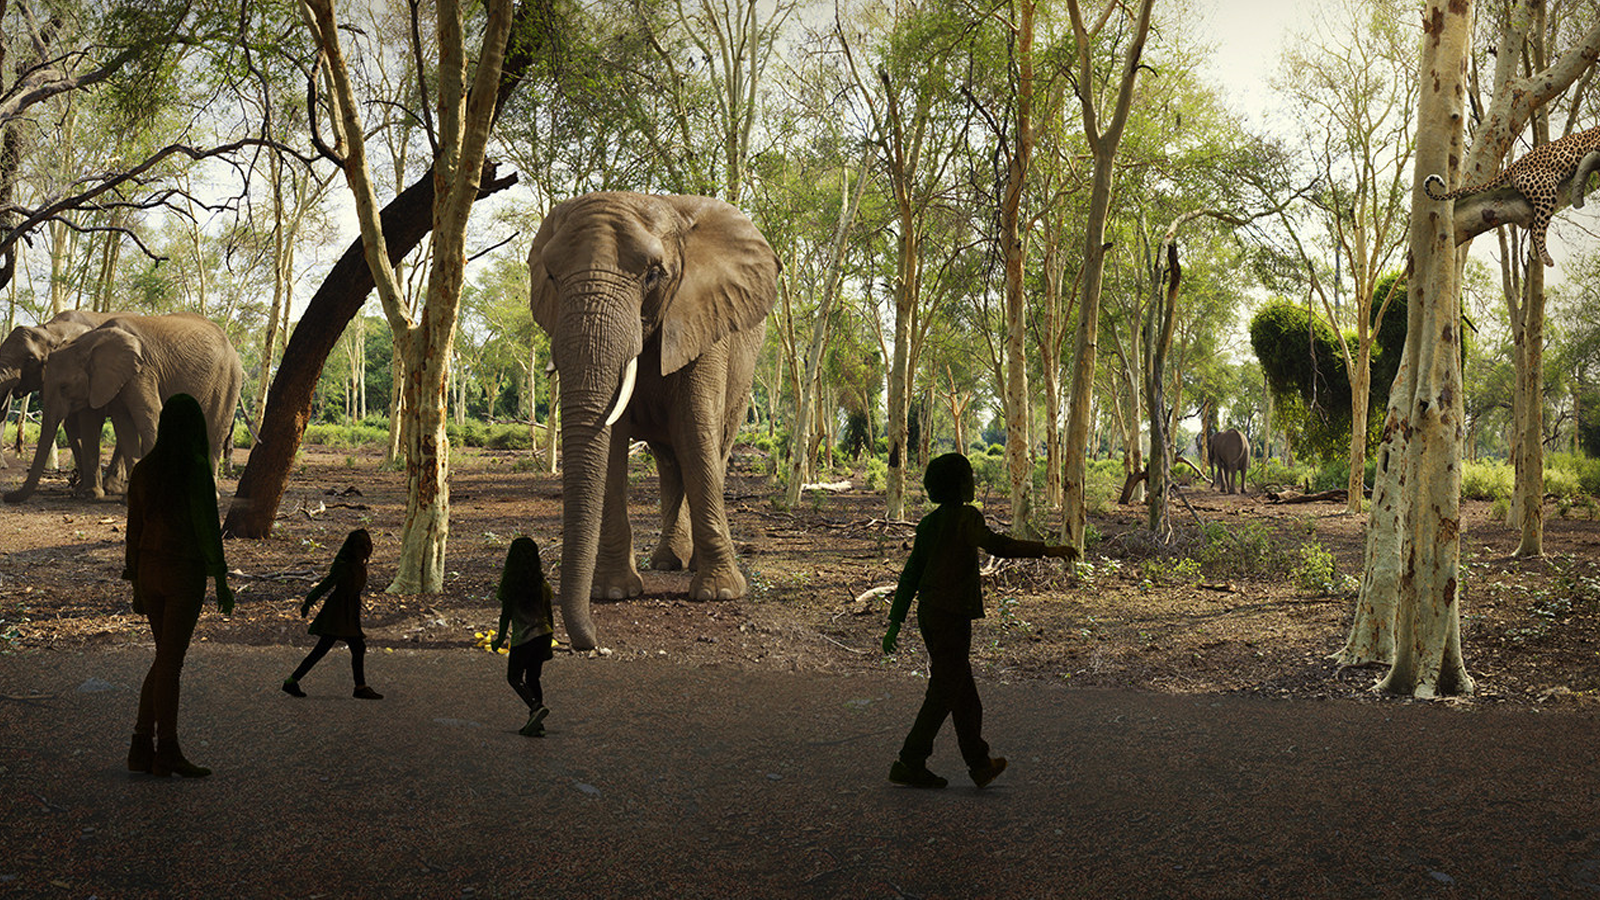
(1230, 454)
(22, 356)
(661, 299)
(126, 369)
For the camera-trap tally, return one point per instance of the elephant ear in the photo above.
(115, 357)
(541, 290)
(729, 280)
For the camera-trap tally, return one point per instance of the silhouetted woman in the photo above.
(174, 544)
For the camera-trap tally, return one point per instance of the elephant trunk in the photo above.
(597, 353)
(48, 426)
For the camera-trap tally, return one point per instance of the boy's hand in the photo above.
(224, 598)
(890, 638)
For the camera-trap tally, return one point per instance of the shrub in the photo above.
(1486, 480)
(1317, 571)
(1246, 548)
(877, 473)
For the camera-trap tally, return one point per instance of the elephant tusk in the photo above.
(625, 393)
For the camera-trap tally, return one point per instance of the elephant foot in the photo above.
(718, 584)
(616, 587)
(668, 558)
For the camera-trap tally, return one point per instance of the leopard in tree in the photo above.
(1537, 177)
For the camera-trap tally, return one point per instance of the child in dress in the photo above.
(340, 616)
(943, 571)
(525, 607)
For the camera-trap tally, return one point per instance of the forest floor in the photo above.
(1186, 617)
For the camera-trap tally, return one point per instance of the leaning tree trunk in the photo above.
(405, 221)
(1427, 655)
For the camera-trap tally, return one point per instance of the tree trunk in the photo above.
(1427, 655)
(1528, 493)
(1074, 517)
(800, 464)
(1018, 404)
(406, 220)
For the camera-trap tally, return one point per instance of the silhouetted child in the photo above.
(525, 606)
(340, 616)
(943, 572)
(174, 544)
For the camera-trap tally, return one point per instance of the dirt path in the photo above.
(661, 779)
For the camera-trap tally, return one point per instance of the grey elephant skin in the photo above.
(1230, 457)
(125, 369)
(22, 357)
(656, 307)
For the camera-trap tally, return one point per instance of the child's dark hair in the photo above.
(523, 571)
(357, 546)
(949, 479)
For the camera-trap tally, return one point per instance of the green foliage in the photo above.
(345, 436)
(1317, 571)
(1486, 480)
(1305, 370)
(877, 473)
(1243, 548)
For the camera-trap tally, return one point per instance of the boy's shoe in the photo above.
(918, 777)
(989, 771)
(292, 688)
(365, 693)
(535, 726)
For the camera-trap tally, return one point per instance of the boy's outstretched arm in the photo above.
(910, 577)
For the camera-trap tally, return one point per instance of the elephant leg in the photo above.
(675, 549)
(616, 576)
(124, 454)
(86, 426)
(702, 460)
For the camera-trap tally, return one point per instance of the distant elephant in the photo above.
(656, 307)
(1230, 453)
(22, 356)
(126, 369)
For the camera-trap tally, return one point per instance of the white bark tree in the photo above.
(464, 119)
(1103, 139)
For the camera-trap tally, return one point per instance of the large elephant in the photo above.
(656, 307)
(22, 356)
(126, 369)
(1230, 454)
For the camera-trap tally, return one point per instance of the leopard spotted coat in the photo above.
(1537, 177)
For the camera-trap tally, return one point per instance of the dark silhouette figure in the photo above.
(525, 606)
(174, 544)
(340, 616)
(943, 571)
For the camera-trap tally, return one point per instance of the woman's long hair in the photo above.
(179, 464)
(523, 572)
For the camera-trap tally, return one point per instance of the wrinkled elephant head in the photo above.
(611, 273)
(83, 374)
(25, 349)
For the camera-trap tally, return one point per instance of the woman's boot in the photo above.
(169, 761)
(141, 753)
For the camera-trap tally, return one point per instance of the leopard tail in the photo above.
(1427, 186)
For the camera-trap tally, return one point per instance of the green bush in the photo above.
(513, 436)
(1271, 473)
(877, 473)
(1244, 548)
(1318, 572)
(1486, 480)
(345, 436)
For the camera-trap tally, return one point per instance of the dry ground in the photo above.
(1141, 618)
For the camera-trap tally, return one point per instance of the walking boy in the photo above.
(943, 571)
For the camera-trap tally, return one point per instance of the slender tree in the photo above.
(1103, 140)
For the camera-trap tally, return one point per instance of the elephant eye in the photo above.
(652, 275)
